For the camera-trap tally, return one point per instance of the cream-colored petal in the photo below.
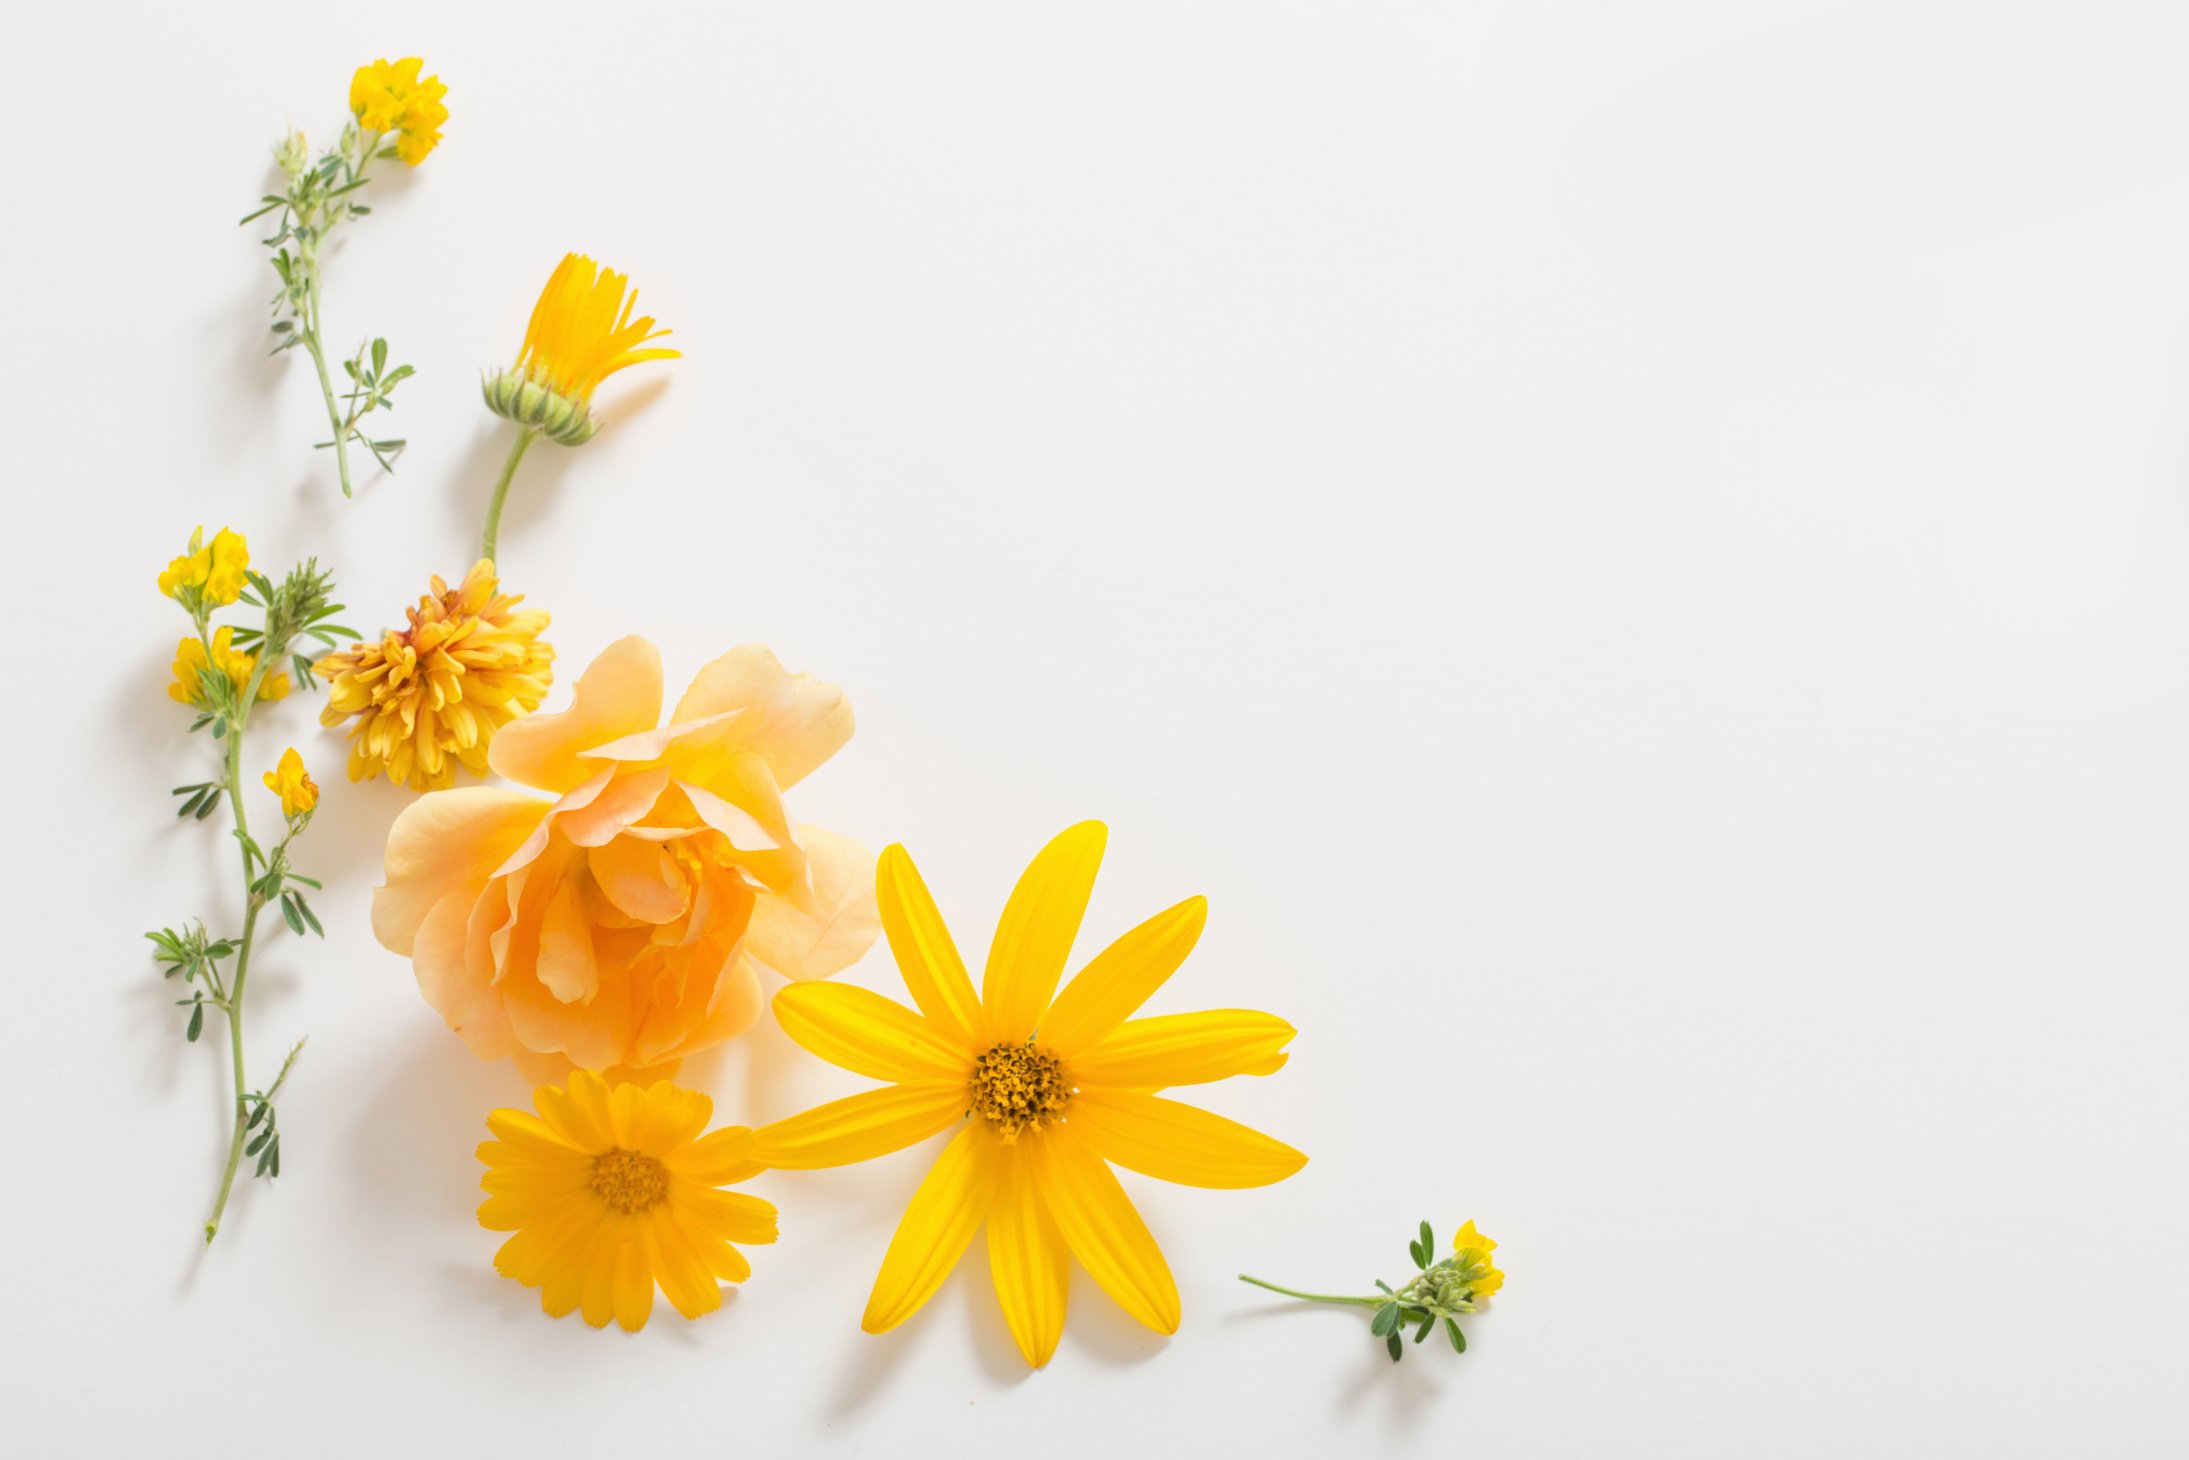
(859, 1127)
(943, 1216)
(566, 964)
(1181, 1143)
(926, 957)
(831, 926)
(641, 879)
(619, 694)
(443, 840)
(1027, 1258)
(1106, 1234)
(625, 799)
(1121, 977)
(794, 721)
(1034, 937)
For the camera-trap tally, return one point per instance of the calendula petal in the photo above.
(1185, 1049)
(1122, 976)
(863, 1032)
(1034, 937)
(944, 1214)
(1181, 1143)
(1027, 1258)
(859, 1127)
(920, 941)
(1103, 1229)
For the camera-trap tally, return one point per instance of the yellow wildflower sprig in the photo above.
(395, 114)
(581, 332)
(1439, 1292)
(223, 673)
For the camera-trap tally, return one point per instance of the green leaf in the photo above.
(1385, 1321)
(257, 1116)
(288, 912)
(1459, 1340)
(258, 1143)
(306, 908)
(1417, 1252)
(1428, 1321)
(1398, 1350)
(311, 882)
(197, 1024)
(1428, 1242)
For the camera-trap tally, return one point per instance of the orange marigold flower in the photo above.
(430, 697)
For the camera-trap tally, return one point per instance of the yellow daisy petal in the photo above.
(1181, 1143)
(863, 1032)
(933, 972)
(859, 1127)
(1102, 1227)
(1122, 976)
(1027, 1258)
(1185, 1049)
(1034, 937)
(945, 1213)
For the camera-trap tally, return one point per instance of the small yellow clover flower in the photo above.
(393, 97)
(191, 659)
(1439, 1293)
(214, 573)
(289, 780)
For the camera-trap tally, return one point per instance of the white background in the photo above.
(1637, 553)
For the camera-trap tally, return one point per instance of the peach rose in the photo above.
(623, 924)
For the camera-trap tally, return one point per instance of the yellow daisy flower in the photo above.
(581, 332)
(609, 1192)
(1043, 1093)
(190, 657)
(289, 780)
(430, 697)
(393, 98)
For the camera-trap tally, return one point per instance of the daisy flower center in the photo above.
(1019, 1087)
(629, 1181)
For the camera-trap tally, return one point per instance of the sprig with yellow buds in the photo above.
(581, 332)
(223, 673)
(395, 114)
(1440, 1291)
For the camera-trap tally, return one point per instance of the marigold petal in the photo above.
(859, 1127)
(861, 1031)
(938, 1224)
(1034, 937)
(1181, 1143)
(1104, 1230)
(1121, 977)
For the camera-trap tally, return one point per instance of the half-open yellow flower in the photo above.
(387, 97)
(581, 332)
(214, 570)
(1044, 1094)
(610, 1192)
(430, 697)
(289, 780)
(190, 658)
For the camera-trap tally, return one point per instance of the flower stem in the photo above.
(1368, 1302)
(233, 1005)
(326, 386)
(493, 531)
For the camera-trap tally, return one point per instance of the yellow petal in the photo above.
(1181, 1143)
(945, 1213)
(680, 1267)
(859, 1128)
(1034, 937)
(831, 923)
(1104, 993)
(634, 1279)
(793, 721)
(1185, 1049)
(1027, 1258)
(717, 1158)
(443, 841)
(1104, 1231)
(619, 694)
(863, 1032)
(920, 940)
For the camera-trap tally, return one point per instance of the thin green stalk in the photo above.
(493, 531)
(233, 1004)
(326, 385)
(1376, 1301)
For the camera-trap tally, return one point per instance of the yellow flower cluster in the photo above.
(429, 697)
(191, 659)
(213, 572)
(387, 97)
(289, 780)
(1473, 1250)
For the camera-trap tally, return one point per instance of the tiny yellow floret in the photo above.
(387, 97)
(190, 659)
(289, 780)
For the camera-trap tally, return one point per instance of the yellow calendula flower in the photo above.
(429, 697)
(387, 97)
(1044, 1095)
(581, 332)
(289, 780)
(213, 571)
(190, 658)
(610, 1192)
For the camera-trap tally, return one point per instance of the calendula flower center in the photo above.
(630, 1181)
(1019, 1087)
